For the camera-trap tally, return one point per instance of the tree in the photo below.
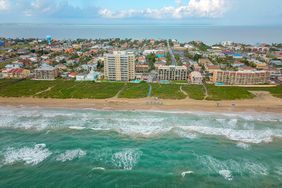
(151, 59)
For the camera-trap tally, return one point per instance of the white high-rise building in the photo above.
(119, 66)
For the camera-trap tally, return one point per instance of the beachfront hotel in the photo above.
(241, 77)
(172, 72)
(119, 66)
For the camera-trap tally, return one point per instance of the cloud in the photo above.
(209, 8)
(4, 4)
(194, 8)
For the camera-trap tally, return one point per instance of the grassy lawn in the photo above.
(196, 92)
(179, 82)
(133, 91)
(169, 91)
(70, 89)
(228, 93)
(26, 88)
(81, 90)
(275, 91)
(58, 89)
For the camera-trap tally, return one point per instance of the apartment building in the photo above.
(172, 72)
(241, 77)
(119, 66)
(46, 72)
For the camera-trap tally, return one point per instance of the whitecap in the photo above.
(243, 145)
(70, 155)
(100, 129)
(214, 165)
(183, 174)
(99, 168)
(126, 159)
(77, 127)
(247, 136)
(30, 156)
(226, 174)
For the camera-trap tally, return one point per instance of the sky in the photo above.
(210, 12)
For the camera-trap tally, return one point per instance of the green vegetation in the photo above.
(196, 92)
(58, 89)
(275, 91)
(151, 59)
(80, 90)
(135, 91)
(168, 59)
(227, 93)
(168, 91)
(200, 45)
(179, 82)
(19, 88)
(63, 89)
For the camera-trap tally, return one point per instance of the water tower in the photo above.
(49, 39)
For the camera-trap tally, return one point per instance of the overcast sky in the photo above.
(217, 12)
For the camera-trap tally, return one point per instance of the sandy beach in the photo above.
(263, 102)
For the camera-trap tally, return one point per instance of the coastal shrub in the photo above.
(196, 92)
(169, 91)
(133, 91)
(227, 93)
(275, 91)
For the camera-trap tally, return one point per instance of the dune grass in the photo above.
(169, 91)
(196, 92)
(133, 91)
(227, 93)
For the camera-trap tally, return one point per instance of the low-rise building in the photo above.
(15, 73)
(195, 77)
(46, 72)
(141, 68)
(241, 77)
(172, 72)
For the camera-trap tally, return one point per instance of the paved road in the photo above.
(173, 60)
(150, 91)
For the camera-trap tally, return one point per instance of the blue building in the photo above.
(2, 43)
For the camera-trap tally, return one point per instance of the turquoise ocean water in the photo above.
(207, 33)
(42, 147)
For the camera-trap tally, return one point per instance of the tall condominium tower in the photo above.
(119, 66)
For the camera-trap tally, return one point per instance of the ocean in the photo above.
(183, 33)
(45, 147)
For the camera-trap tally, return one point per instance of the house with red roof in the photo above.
(15, 73)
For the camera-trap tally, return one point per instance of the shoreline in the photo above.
(263, 102)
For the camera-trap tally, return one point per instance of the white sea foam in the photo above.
(100, 129)
(70, 155)
(183, 174)
(99, 168)
(238, 127)
(77, 127)
(126, 159)
(243, 145)
(248, 136)
(144, 130)
(279, 171)
(30, 156)
(241, 167)
(226, 174)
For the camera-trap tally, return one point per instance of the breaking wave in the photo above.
(227, 167)
(71, 155)
(126, 159)
(250, 128)
(27, 155)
